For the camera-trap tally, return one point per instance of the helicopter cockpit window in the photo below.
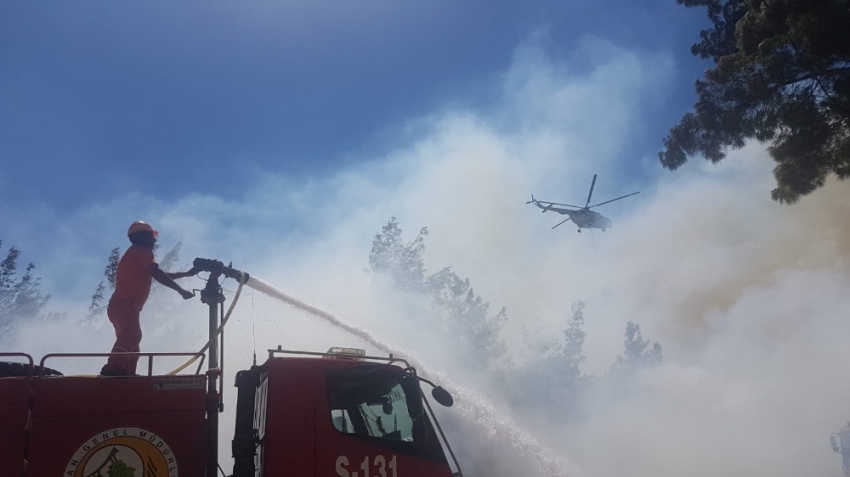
(371, 404)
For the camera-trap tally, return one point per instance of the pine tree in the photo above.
(574, 337)
(463, 315)
(95, 307)
(20, 298)
(782, 76)
(467, 315)
(8, 268)
(96, 299)
(403, 262)
(550, 380)
(111, 270)
(537, 342)
(635, 352)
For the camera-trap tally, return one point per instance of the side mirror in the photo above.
(442, 396)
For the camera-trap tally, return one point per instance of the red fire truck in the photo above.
(305, 414)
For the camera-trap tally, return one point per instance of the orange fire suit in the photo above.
(132, 287)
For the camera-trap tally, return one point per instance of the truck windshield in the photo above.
(371, 402)
(386, 418)
(382, 405)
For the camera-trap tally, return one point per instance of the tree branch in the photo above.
(813, 76)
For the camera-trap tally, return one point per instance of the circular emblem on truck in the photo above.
(123, 452)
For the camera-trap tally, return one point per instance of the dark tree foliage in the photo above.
(467, 315)
(561, 361)
(462, 314)
(20, 297)
(635, 352)
(574, 341)
(97, 299)
(96, 308)
(551, 379)
(781, 76)
(111, 269)
(401, 261)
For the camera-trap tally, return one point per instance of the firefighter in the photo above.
(132, 286)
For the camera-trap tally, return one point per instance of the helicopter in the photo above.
(581, 216)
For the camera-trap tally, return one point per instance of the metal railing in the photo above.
(30, 361)
(149, 356)
(388, 359)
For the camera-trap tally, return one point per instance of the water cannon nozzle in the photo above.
(217, 267)
(208, 265)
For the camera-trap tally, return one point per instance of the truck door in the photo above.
(287, 437)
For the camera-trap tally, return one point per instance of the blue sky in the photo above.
(169, 98)
(112, 112)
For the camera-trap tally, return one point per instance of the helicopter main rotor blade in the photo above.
(561, 222)
(591, 190)
(612, 200)
(562, 205)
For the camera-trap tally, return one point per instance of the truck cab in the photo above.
(335, 414)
